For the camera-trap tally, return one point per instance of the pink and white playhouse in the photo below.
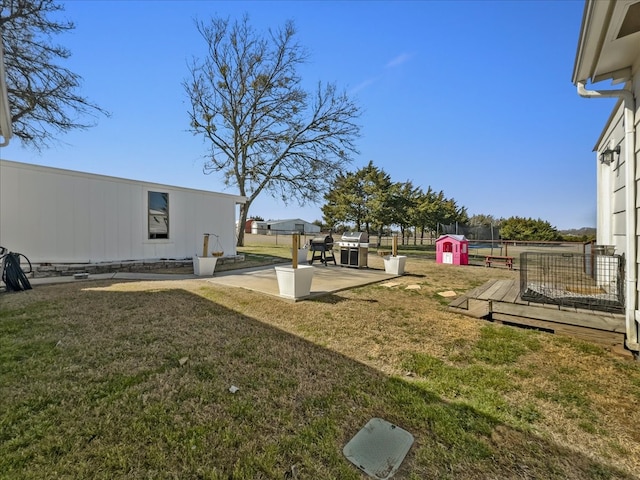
(452, 249)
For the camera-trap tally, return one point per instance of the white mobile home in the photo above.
(609, 51)
(53, 215)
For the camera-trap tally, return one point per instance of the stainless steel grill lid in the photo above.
(360, 237)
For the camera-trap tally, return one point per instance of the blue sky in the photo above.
(472, 98)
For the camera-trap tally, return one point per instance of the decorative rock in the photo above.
(448, 293)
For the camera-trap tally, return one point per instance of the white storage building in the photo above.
(285, 227)
(53, 215)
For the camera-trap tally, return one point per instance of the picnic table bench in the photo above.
(489, 259)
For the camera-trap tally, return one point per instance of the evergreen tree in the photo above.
(518, 228)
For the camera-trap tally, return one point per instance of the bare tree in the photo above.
(266, 133)
(42, 94)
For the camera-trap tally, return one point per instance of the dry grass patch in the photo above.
(131, 380)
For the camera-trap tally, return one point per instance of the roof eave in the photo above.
(596, 18)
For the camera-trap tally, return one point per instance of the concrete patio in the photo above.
(326, 279)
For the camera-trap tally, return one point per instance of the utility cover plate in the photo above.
(379, 448)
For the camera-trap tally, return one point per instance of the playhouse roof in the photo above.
(457, 238)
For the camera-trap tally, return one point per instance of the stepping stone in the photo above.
(448, 293)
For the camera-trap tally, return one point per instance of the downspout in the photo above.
(630, 214)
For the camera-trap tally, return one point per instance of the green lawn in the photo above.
(127, 379)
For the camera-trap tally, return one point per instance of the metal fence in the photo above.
(482, 232)
(591, 281)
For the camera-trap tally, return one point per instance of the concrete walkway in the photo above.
(109, 276)
(326, 279)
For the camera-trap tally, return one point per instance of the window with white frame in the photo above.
(158, 215)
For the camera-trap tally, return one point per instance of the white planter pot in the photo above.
(294, 282)
(395, 265)
(302, 255)
(204, 266)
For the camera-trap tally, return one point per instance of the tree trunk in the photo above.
(242, 221)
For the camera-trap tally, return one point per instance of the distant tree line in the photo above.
(368, 200)
(530, 229)
(518, 228)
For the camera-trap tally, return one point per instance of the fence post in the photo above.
(205, 245)
(295, 245)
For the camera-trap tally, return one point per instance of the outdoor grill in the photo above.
(322, 249)
(354, 249)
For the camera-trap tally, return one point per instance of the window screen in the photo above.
(158, 215)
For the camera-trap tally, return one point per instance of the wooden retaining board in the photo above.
(594, 320)
(602, 337)
(500, 301)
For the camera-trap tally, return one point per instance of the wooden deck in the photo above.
(499, 301)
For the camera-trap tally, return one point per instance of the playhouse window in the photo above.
(158, 215)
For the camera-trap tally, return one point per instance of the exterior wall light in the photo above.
(606, 157)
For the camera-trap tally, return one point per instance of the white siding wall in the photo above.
(611, 188)
(53, 215)
(636, 89)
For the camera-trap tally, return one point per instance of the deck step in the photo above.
(602, 337)
(499, 301)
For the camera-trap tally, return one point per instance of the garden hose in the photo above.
(12, 274)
